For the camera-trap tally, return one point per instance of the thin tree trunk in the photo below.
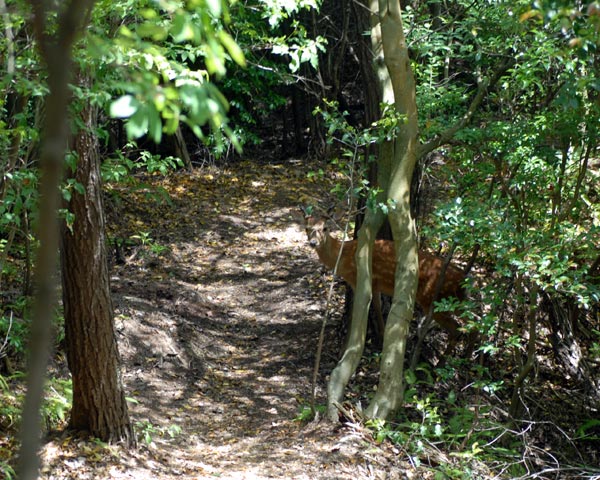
(517, 404)
(181, 149)
(56, 53)
(396, 163)
(402, 160)
(340, 376)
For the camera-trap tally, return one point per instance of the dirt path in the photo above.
(218, 334)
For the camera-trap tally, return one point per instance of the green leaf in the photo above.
(410, 377)
(137, 124)
(215, 7)
(234, 50)
(148, 13)
(182, 29)
(79, 188)
(154, 125)
(171, 124)
(152, 30)
(124, 107)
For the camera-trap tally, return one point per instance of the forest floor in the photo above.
(219, 302)
(218, 306)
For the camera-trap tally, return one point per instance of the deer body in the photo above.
(384, 269)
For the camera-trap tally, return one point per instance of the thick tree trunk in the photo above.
(99, 405)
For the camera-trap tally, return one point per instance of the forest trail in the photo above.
(217, 314)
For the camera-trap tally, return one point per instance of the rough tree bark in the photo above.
(99, 405)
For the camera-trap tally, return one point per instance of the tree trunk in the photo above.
(55, 50)
(403, 158)
(181, 149)
(396, 164)
(99, 406)
(372, 99)
(360, 311)
(365, 238)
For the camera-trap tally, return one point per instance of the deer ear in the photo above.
(335, 213)
(307, 211)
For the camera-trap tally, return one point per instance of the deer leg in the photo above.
(423, 326)
(445, 320)
(378, 323)
(470, 343)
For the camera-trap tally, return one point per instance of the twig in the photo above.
(3, 347)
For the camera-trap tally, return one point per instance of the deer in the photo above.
(328, 247)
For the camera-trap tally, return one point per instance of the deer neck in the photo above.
(328, 252)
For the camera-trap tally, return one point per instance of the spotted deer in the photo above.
(383, 273)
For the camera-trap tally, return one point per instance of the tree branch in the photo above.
(482, 90)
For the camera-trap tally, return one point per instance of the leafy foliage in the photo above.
(518, 184)
(353, 144)
(467, 435)
(166, 57)
(148, 431)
